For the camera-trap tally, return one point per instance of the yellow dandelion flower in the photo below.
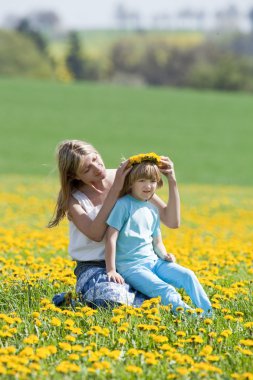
(133, 369)
(115, 354)
(70, 338)
(65, 346)
(159, 338)
(152, 157)
(216, 306)
(208, 321)
(207, 350)
(182, 371)
(122, 329)
(2, 370)
(69, 322)
(77, 347)
(38, 322)
(245, 351)
(66, 367)
(239, 313)
(104, 365)
(226, 333)
(34, 366)
(190, 311)
(167, 347)
(133, 352)
(55, 322)
(31, 339)
(243, 376)
(248, 325)
(151, 361)
(73, 357)
(76, 330)
(229, 317)
(52, 349)
(35, 314)
(43, 352)
(45, 301)
(27, 351)
(117, 319)
(196, 339)
(246, 342)
(213, 358)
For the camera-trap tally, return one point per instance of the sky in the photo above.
(101, 13)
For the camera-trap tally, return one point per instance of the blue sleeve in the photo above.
(156, 230)
(118, 215)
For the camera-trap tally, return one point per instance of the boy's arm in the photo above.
(160, 250)
(110, 254)
(170, 212)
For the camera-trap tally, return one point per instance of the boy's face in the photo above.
(143, 189)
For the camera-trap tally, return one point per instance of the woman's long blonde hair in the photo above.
(70, 155)
(144, 170)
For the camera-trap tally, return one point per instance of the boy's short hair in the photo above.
(144, 170)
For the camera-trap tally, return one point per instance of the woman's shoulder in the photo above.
(111, 172)
(111, 175)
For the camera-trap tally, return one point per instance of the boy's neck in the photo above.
(138, 199)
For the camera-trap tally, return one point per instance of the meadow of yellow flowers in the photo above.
(40, 340)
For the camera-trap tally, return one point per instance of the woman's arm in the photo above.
(95, 229)
(170, 212)
(110, 255)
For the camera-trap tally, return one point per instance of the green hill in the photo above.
(207, 134)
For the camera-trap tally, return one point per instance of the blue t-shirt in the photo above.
(138, 223)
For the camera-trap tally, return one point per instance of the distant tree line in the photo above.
(204, 66)
(152, 61)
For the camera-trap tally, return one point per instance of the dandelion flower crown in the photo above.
(151, 157)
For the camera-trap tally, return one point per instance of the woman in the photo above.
(87, 195)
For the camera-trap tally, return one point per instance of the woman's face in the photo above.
(92, 169)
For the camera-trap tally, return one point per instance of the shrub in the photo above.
(20, 57)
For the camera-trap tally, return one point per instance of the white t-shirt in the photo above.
(81, 248)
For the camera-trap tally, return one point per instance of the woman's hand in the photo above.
(170, 257)
(167, 168)
(115, 277)
(120, 175)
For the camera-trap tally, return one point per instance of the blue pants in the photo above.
(160, 279)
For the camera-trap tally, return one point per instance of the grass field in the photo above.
(38, 340)
(208, 135)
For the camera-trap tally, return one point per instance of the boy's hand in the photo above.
(115, 277)
(170, 257)
(167, 168)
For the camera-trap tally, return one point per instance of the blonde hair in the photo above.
(144, 170)
(70, 156)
